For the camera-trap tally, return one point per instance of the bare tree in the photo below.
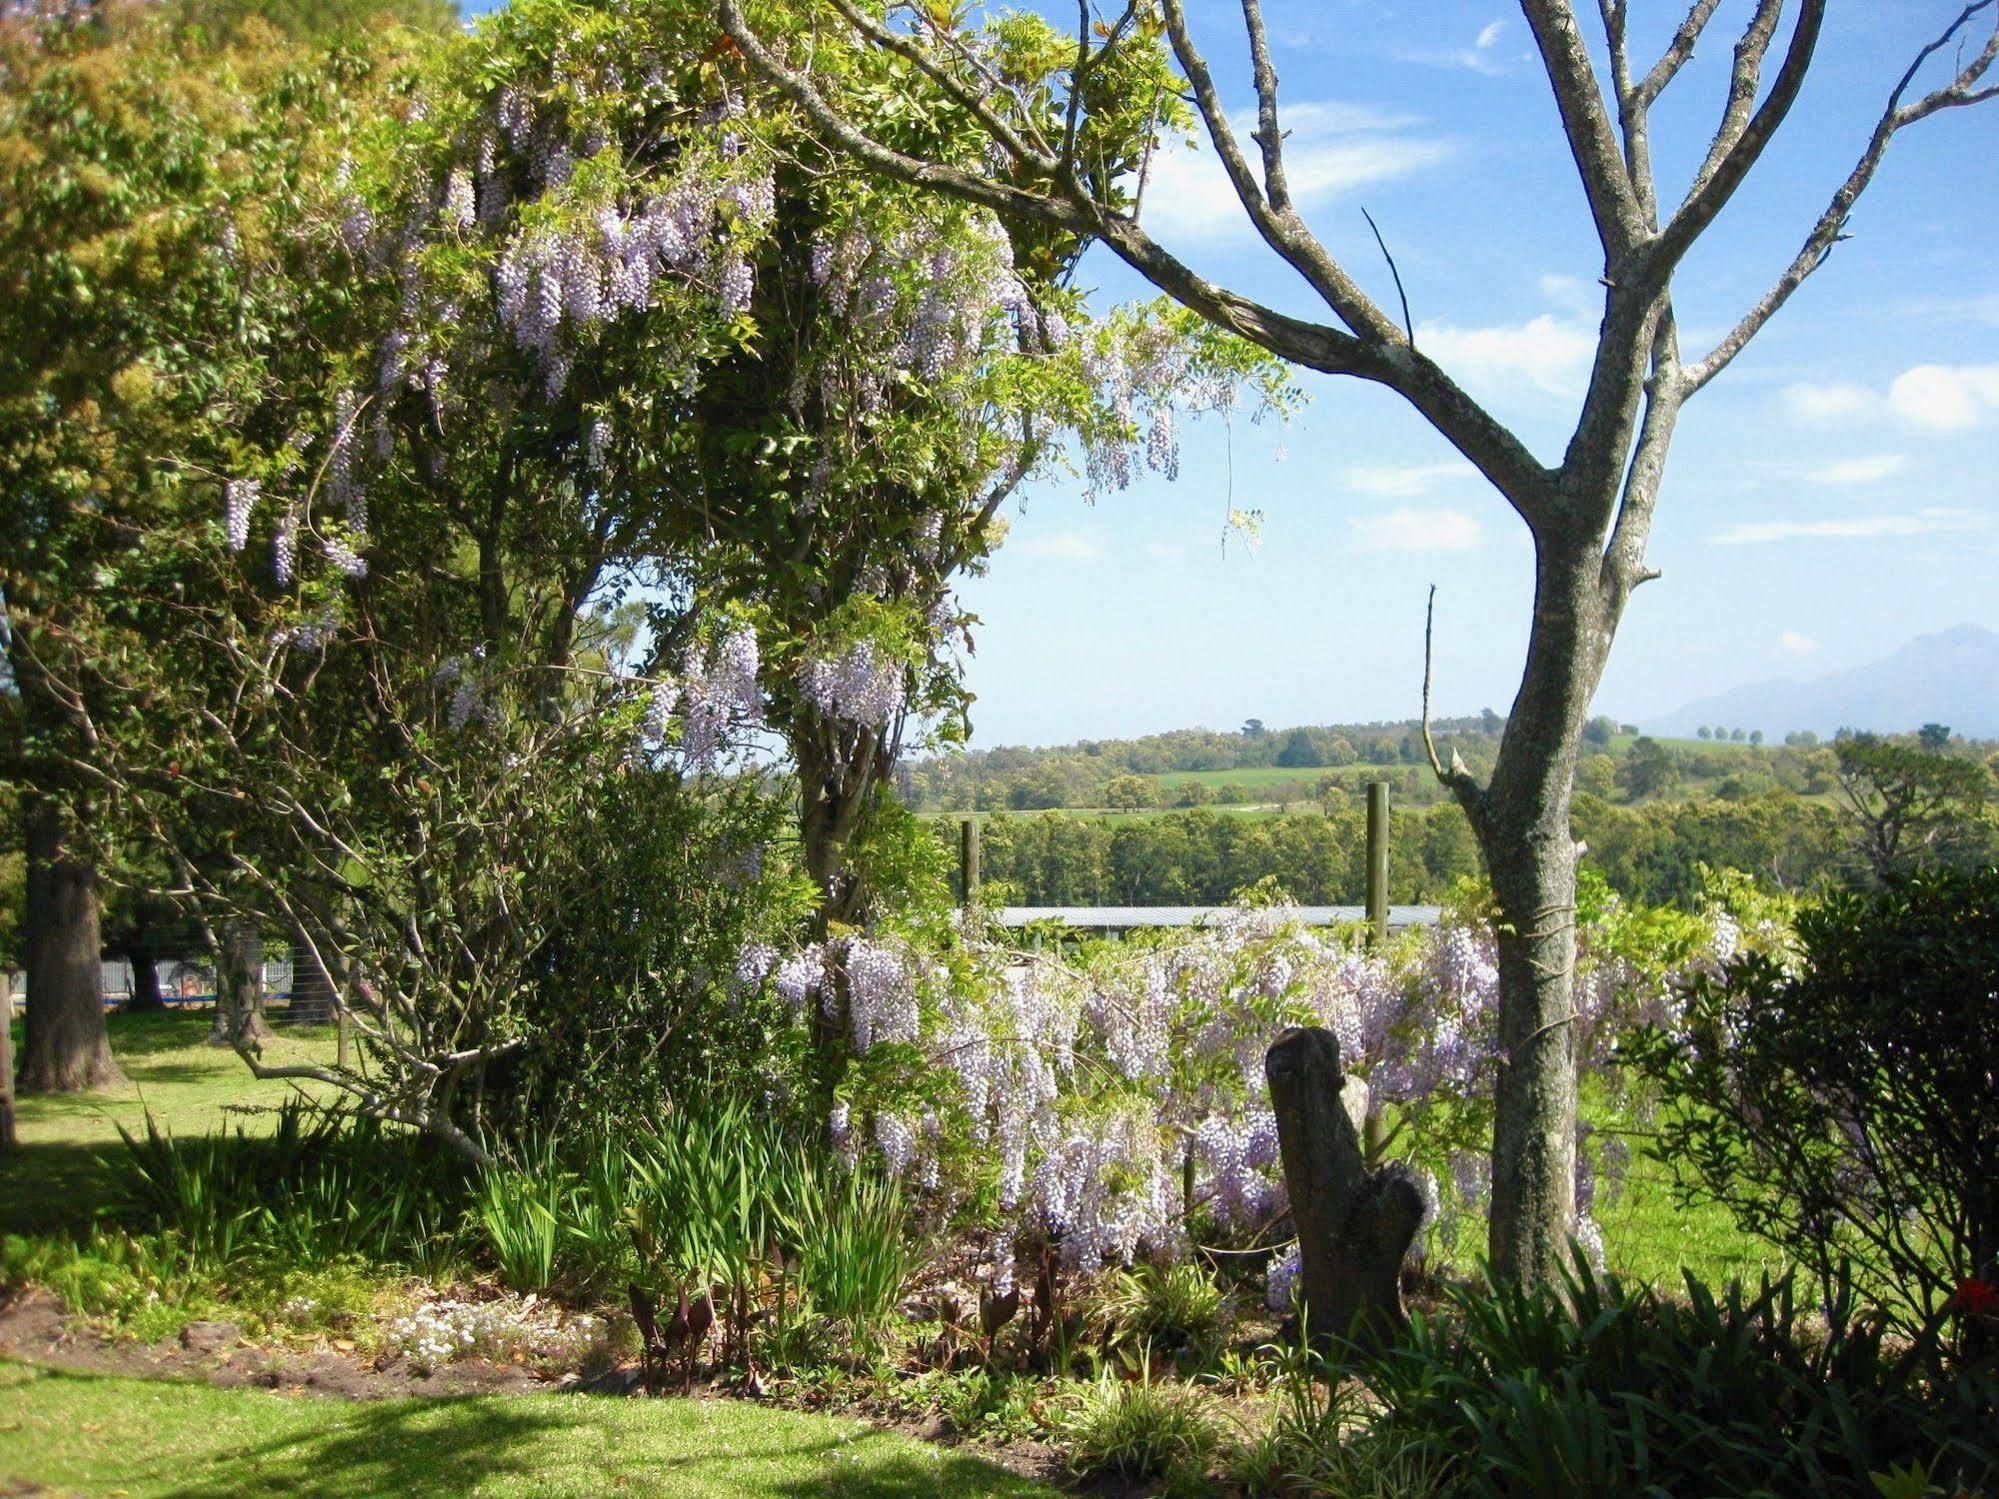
(1590, 513)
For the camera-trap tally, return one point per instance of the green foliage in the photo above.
(1179, 1312)
(322, 1184)
(1138, 1429)
(1913, 804)
(1602, 1389)
(1841, 1103)
(523, 1212)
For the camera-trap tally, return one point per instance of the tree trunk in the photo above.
(66, 1048)
(239, 987)
(10, 1139)
(1523, 826)
(836, 784)
(146, 998)
(1354, 1225)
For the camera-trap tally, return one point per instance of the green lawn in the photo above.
(87, 1434)
(191, 1088)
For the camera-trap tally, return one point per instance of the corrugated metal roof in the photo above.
(1100, 918)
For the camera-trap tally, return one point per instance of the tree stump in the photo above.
(1354, 1225)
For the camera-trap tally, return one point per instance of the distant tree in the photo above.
(1597, 774)
(1298, 752)
(1628, 728)
(1253, 729)
(1909, 806)
(1194, 794)
(1934, 736)
(1704, 732)
(1736, 735)
(1129, 793)
(1600, 731)
(1490, 723)
(1755, 736)
(1648, 769)
(1232, 795)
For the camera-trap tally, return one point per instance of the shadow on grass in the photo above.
(245, 1442)
(55, 1186)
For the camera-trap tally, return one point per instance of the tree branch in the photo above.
(1740, 142)
(1456, 777)
(1961, 91)
(1565, 57)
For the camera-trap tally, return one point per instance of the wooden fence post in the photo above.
(968, 859)
(1377, 859)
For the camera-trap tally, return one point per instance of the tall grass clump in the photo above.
(1605, 1389)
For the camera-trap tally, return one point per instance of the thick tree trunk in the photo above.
(239, 987)
(66, 1048)
(1529, 847)
(146, 997)
(1354, 1225)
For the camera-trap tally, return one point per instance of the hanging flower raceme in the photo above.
(863, 685)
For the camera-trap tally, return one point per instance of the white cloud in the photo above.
(1418, 531)
(1548, 352)
(1330, 149)
(1399, 480)
(1932, 397)
(1062, 546)
(1481, 56)
(1858, 528)
(1822, 405)
(1791, 643)
(1868, 470)
(1945, 397)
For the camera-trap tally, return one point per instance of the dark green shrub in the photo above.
(1612, 1391)
(1849, 1110)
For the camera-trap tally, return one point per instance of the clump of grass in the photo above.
(1136, 1429)
(1179, 1312)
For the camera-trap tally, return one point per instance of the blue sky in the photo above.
(1830, 495)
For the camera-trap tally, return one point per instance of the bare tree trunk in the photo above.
(1354, 1225)
(239, 986)
(66, 1048)
(1522, 819)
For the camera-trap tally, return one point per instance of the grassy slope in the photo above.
(58, 1180)
(96, 1435)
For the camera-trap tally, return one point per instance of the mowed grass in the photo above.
(90, 1434)
(61, 1176)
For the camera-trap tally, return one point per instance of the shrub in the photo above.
(1137, 1429)
(1605, 1390)
(1848, 1110)
(1177, 1312)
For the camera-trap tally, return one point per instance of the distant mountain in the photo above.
(1950, 678)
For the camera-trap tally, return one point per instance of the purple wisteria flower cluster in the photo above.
(863, 684)
(1098, 1092)
(713, 697)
